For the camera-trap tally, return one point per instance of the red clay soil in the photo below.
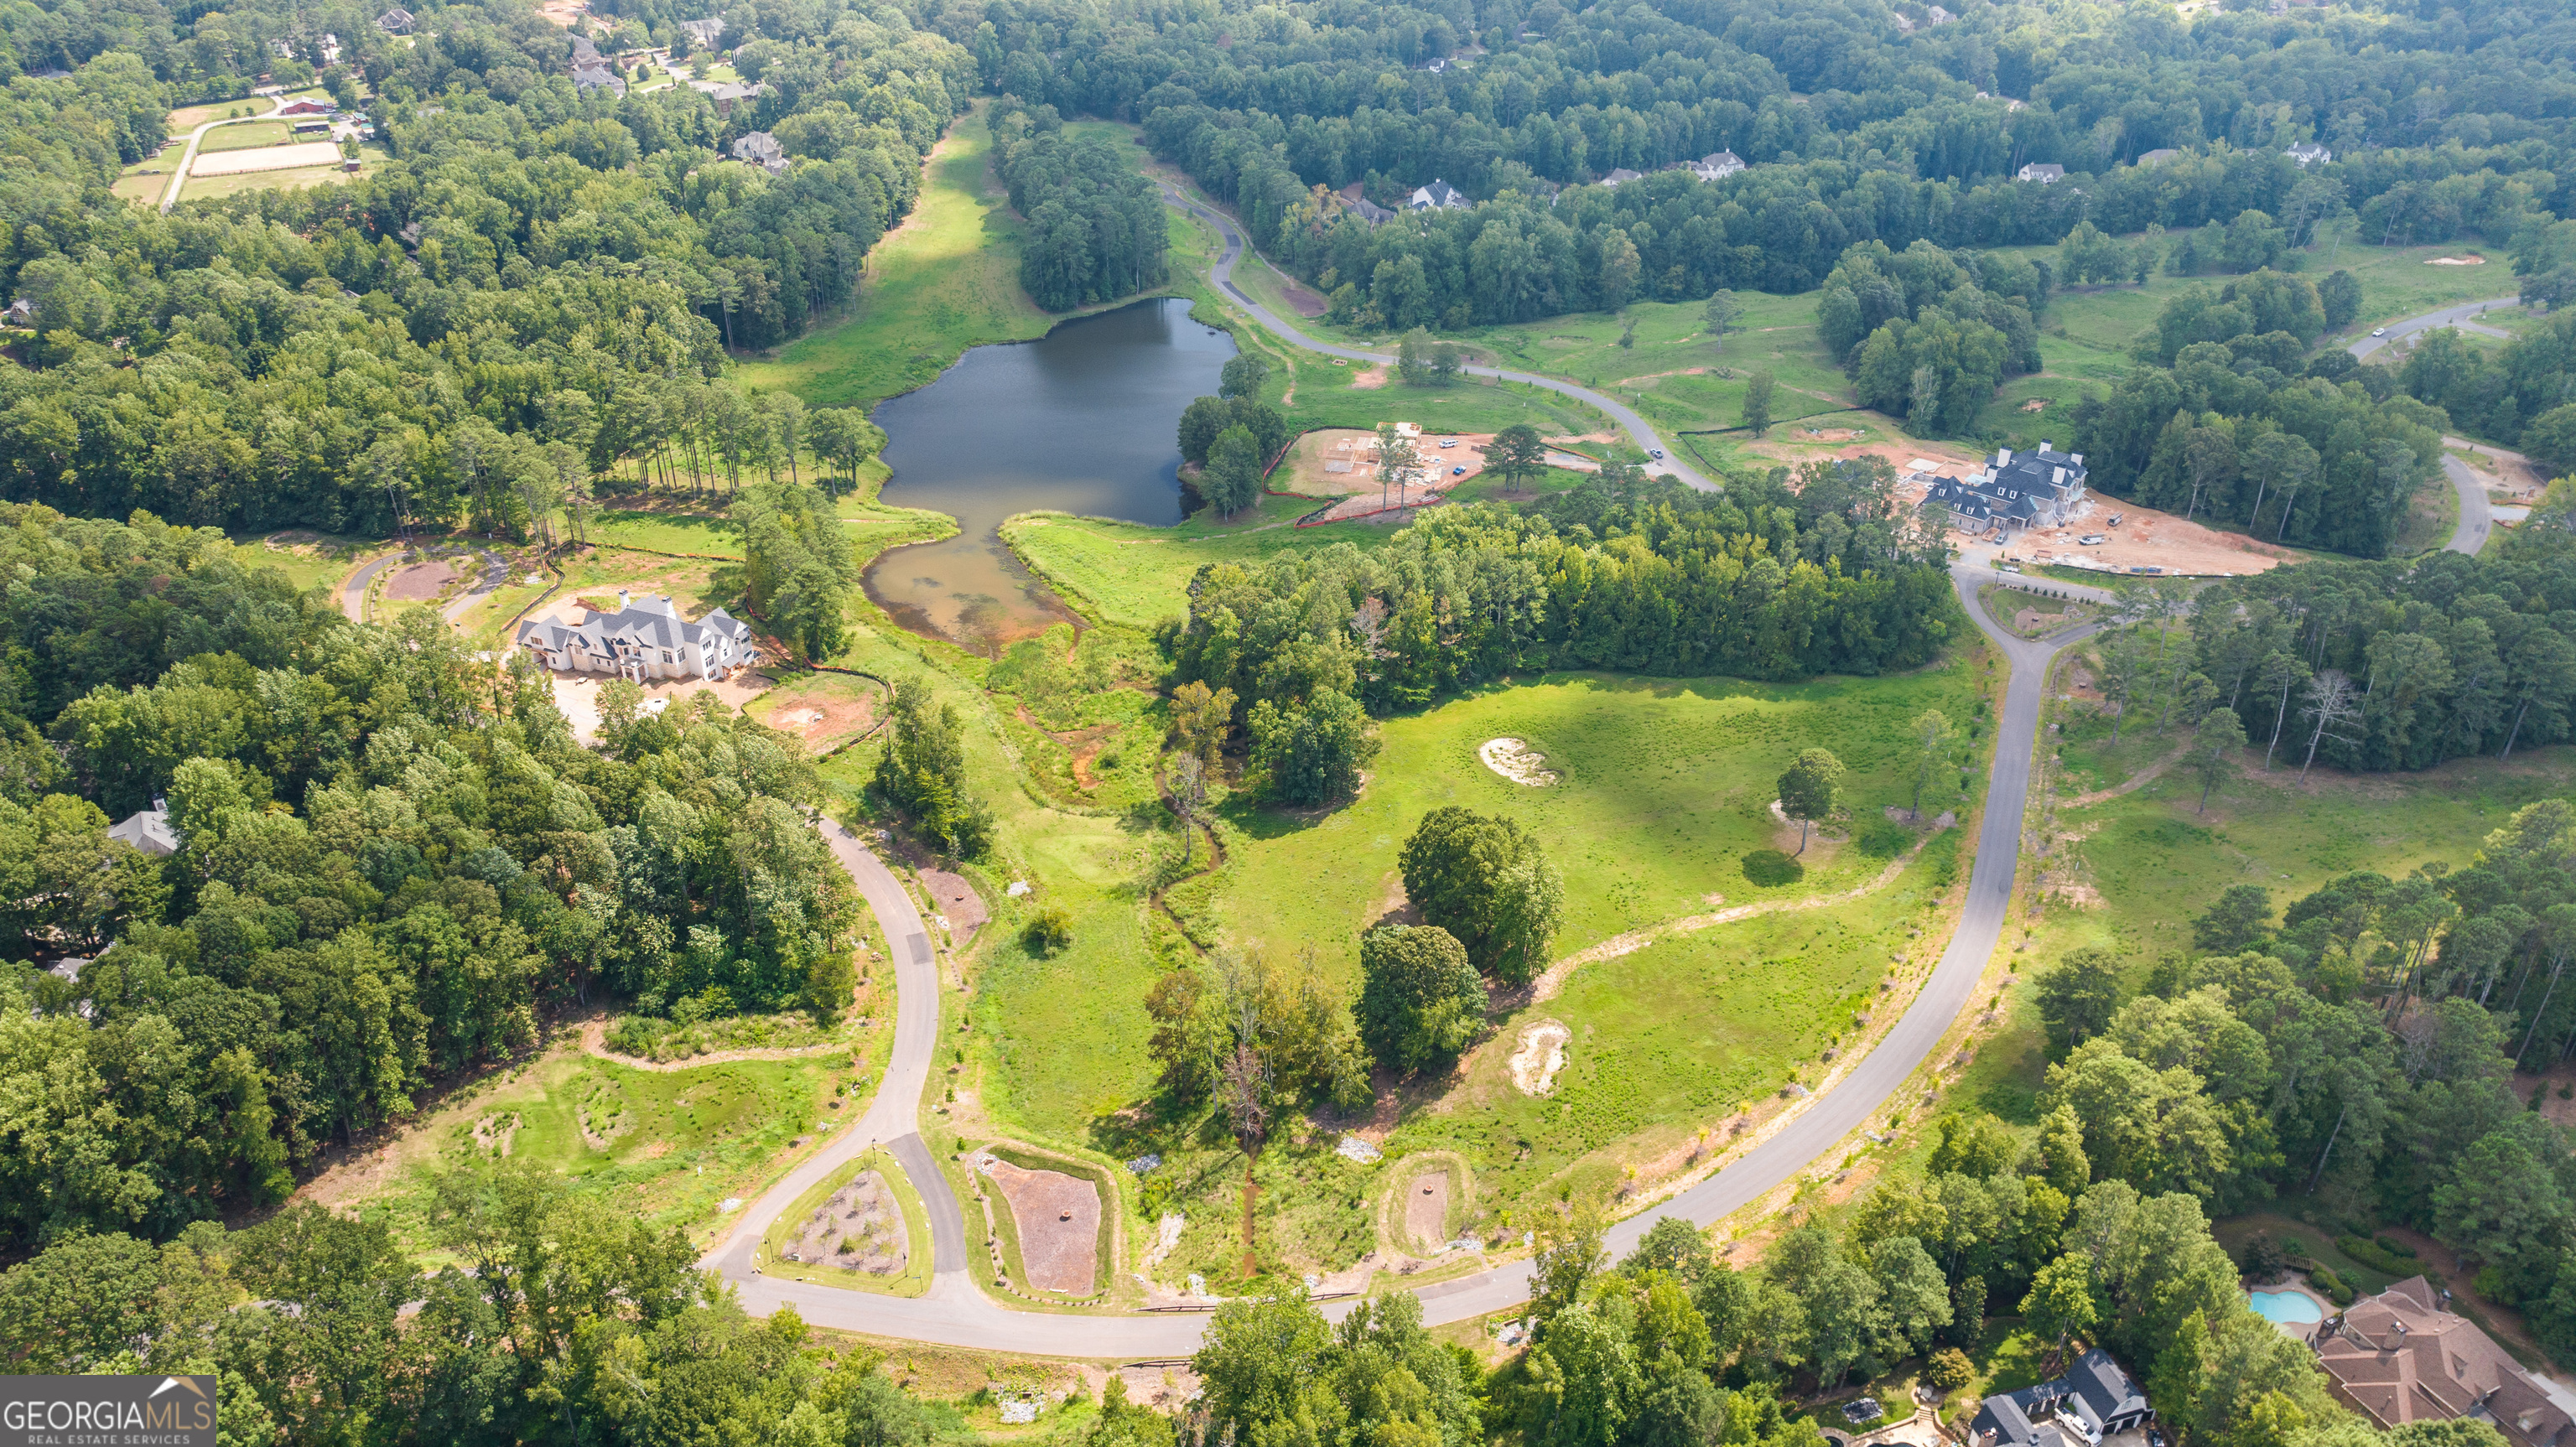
(1426, 1211)
(418, 582)
(1059, 1221)
(957, 900)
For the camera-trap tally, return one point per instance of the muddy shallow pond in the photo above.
(1081, 420)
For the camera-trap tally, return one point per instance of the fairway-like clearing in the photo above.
(947, 279)
(1665, 786)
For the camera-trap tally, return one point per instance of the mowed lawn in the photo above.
(945, 280)
(1135, 575)
(1666, 784)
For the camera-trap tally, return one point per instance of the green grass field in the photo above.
(668, 1146)
(1135, 575)
(668, 532)
(1666, 785)
(945, 280)
(245, 135)
(307, 558)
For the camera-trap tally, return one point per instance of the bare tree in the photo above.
(1246, 1096)
(1189, 790)
(2283, 672)
(2332, 703)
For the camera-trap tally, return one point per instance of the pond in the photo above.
(1083, 420)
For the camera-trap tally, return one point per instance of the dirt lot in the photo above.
(1426, 1213)
(824, 711)
(958, 904)
(418, 582)
(1307, 468)
(860, 1229)
(1059, 1220)
(2147, 538)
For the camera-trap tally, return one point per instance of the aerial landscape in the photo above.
(1698, 723)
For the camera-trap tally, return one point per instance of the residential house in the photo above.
(2044, 172)
(2309, 153)
(761, 149)
(1621, 175)
(585, 51)
(645, 640)
(303, 108)
(21, 313)
(1436, 64)
(729, 94)
(396, 21)
(704, 32)
(2402, 1356)
(2095, 1399)
(2158, 156)
(1904, 25)
(1717, 165)
(148, 830)
(1935, 15)
(596, 76)
(2040, 489)
(1438, 196)
(1367, 210)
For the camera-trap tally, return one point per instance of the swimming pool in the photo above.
(2291, 1307)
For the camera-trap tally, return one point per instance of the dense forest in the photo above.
(2444, 122)
(1096, 229)
(1626, 573)
(393, 856)
(535, 268)
(2228, 418)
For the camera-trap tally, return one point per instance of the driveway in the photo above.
(2475, 522)
(188, 156)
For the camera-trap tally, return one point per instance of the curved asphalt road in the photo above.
(1638, 429)
(2475, 524)
(353, 593)
(955, 1312)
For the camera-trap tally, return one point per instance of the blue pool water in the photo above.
(2293, 1307)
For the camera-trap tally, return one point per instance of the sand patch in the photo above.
(2470, 260)
(1059, 1221)
(1372, 378)
(2035, 404)
(418, 582)
(1516, 761)
(1426, 1213)
(264, 158)
(824, 714)
(1540, 1056)
(1830, 434)
(957, 903)
(859, 1229)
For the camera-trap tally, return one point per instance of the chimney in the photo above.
(2003, 456)
(160, 805)
(2043, 444)
(2057, 477)
(2077, 459)
(622, 598)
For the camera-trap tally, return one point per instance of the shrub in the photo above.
(2263, 1258)
(1884, 838)
(2369, 1254)
(2395, 1247)
(1770, 867)
(1049, 930)
(1948, 1370)
(2324, 1279)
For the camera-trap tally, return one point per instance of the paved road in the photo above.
(1639, 430)
(496, 571)
(2475, 524)
(955, 1312)
(353, 594)
(2449, 316)
(188, 157)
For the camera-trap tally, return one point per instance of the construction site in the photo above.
(1344, 463)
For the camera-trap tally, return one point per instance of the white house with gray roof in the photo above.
(645, 640)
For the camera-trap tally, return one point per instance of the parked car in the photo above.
(2383, 331)
(1448, 441)
(2115, 519)
(1457, 472)
(1657, 454)
(2092, 540)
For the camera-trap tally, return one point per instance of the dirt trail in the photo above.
(2134, 783)
(1553, 980)
(594, 1042)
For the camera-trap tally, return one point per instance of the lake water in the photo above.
(1083, 420)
